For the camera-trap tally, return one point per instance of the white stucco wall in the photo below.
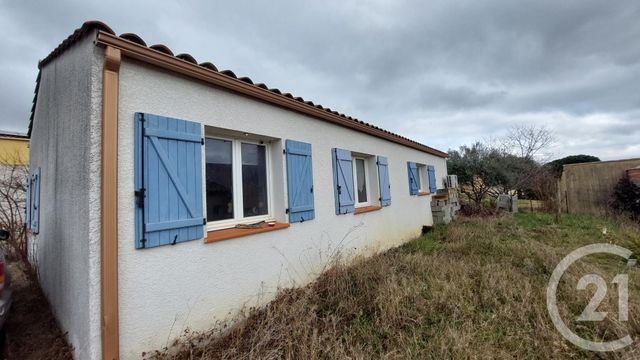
(65, 144)
(167, 289)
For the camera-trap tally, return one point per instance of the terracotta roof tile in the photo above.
(209, 66)
(187, 57)
(162, 48)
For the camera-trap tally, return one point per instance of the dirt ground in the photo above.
(31, 331)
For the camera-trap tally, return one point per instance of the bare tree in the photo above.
(527, 141)
(13, 180)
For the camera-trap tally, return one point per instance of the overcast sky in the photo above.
(444, 73)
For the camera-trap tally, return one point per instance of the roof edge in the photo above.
(134, 47)
(600, 162)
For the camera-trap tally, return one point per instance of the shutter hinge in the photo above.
(204, 221)
(284, 151)
(286, 211)
(140, 195)
(312, 189)
(202, 141)
(339, 189)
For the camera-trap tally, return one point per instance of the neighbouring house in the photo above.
(171, 194)
(588, 187)
(14, 148)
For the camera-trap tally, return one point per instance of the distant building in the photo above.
(588, 187)
(14, 148)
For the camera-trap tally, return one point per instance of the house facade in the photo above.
(172, 195)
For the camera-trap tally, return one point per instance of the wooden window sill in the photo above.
(365, 209)
(225, 234)
(424, 193)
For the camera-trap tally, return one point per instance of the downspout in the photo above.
(109, 205)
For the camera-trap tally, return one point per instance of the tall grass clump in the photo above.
(474, 289)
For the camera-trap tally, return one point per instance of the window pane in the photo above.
(362, 181)
(219, 179)
(254, 180)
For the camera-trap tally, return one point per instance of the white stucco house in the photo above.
(167, 194)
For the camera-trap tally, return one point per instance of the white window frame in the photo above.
(366, 182)
(236, 170)
(423, 178)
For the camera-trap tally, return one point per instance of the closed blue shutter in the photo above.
(412, 170)
(168, 177)
(432, 178)
(343, 181)
(383, 180)
(27, 204)
(35, 202)
(299, 181)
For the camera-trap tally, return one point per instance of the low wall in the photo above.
(588, 187)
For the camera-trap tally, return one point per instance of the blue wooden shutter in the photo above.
(35, 202)
(432, 178)
(383, 180)
(412, 170)
(343, 181)
(168, 177)
(299, 181)
(27, 204)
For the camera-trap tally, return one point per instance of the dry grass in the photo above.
(475, 289)
(32, 331)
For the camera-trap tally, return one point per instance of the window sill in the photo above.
(366, 209)
(225, 234)
(424, 193)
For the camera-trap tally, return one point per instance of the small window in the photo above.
(254, 179)
(361, 181)
(238, 184)
(219, 179)
(423, 180)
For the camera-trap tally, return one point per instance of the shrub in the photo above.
(626, 198)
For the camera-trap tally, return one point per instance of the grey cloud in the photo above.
(441, 72)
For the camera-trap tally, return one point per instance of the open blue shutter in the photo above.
(27, 204)
(383, 180)
(432, 178)
(35, 202)
(412, 170)
(299, 181)
(343, 181)
(168, 176)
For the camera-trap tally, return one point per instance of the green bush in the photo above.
(626, 198)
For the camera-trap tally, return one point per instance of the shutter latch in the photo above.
(140, 195)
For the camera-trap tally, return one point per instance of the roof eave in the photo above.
(147, 55)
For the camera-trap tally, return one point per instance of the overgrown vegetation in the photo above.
(14, 176)
(474, 289)
(502, 165)
(626, 198)
(557, 165)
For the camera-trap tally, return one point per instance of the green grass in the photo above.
(473, 289)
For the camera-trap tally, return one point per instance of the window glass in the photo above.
(219, 179)
(362, 181)
(254, 180)
(422, 180)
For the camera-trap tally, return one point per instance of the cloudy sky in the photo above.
(444, 73)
